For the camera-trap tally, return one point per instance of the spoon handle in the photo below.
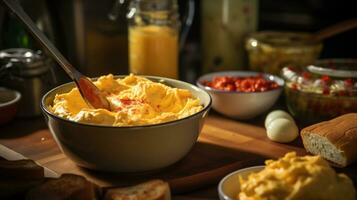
(90, 93)
(16, 8)
(335, 29)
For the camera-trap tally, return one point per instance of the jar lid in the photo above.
(285, 39)
(25, 62)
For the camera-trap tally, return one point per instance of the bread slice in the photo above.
(17, 188)
(20, 169)
(17, 177)
(68, 186)
(151, 190)
(334, 140)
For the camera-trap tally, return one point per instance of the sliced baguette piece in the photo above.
(68, 186)
(151, 190)
(334, 140)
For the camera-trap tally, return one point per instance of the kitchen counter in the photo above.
(224, 145)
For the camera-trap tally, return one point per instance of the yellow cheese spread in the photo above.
(294, 177)
(134, 100)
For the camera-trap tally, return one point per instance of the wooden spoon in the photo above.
(334, 30)
(90, 93)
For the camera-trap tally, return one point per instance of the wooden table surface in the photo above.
(222, 141)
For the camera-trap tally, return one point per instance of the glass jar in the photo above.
(321, 91)
(224, 26)
(154, 37)
(29, 72)
(271, 51)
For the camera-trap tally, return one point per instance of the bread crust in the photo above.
(68, 186)
(340, 131)
(21, 169)
(150, 190)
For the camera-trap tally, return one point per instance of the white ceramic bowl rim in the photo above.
(44, 107)
(270, 77)
(220, 185)
(12, 101)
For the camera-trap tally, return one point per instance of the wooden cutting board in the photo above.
(205, 165)
(224, 146)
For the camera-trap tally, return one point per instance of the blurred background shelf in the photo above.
(97, 45)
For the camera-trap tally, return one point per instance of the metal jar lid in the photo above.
(24, 62)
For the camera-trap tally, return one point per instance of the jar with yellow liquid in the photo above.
(154, 35)
(153, 40)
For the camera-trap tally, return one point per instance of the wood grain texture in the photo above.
(224, 146)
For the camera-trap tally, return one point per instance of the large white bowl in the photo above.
(127, 149)
(229, 186)
(241, 105)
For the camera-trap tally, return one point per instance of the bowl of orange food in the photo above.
(241, 94)
(289, 177)
(152, 123)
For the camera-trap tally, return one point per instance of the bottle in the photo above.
(224, 26)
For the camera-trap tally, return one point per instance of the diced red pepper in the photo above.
(349, 82)
(294, 86)
(242, 84)
(325, 79)
(306, 75)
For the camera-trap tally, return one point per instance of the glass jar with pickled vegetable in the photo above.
(270, 51)
(321, 91)
(224, 27)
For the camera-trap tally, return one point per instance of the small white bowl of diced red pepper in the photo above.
(241, 94)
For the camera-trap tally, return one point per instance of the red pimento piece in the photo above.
(294, 86)
(349, 82)
(306, 75)
(128, 101)
(230, 87)
(325, 79)
(117, 109)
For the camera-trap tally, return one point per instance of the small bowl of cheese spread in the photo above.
(290, 177)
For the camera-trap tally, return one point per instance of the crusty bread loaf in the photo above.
(151, 190)
(334, 140)
(68, 186)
